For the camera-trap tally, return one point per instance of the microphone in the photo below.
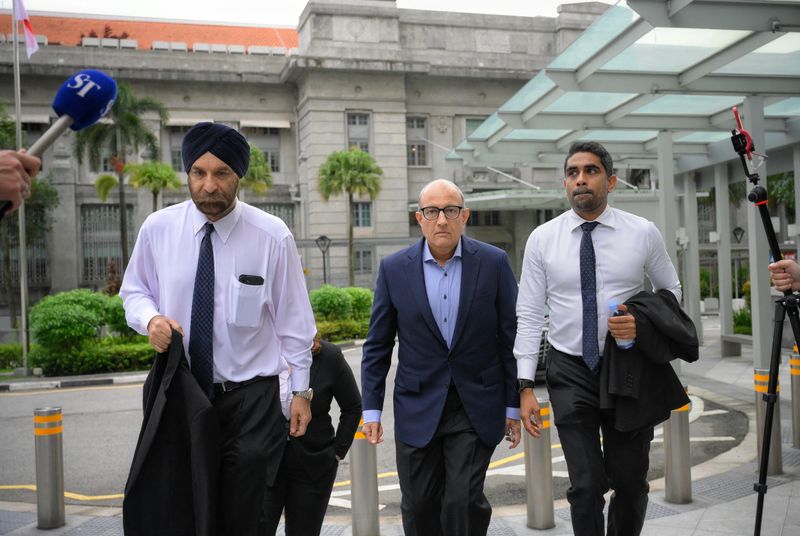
(80, 102)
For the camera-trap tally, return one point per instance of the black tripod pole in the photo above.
(788, 303)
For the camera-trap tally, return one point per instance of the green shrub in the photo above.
(342, 330)
(743, 322)
(67, 319)
(10, 355)
(362, 301)
(93, 358)
(115, 316)
(331, 303)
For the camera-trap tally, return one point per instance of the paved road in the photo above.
(101, 425)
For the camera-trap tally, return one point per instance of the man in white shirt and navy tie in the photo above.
(229, 276)
(576, 265)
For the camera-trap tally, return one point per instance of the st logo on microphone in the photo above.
(83, 82)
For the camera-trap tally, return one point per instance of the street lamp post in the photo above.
(738, 233)
(323, 243)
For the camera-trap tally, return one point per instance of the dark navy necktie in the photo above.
(201, 336)
(591, 353)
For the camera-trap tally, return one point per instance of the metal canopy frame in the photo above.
(647, 66)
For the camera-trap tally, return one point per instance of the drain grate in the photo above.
(654, 511)
(327, 530)
(791, 457)
(13, 520)
(98, 526)
(498, 527)
(729, 486)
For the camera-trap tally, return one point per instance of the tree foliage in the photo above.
(349, 173)
(154, 176)
(258, 178)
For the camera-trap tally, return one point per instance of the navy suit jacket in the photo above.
(480, 363)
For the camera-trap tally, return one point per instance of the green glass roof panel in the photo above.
(672, 50)
(603, 31)
(704, 137)
(688, 105)
(634, 136)
(785, 108)
(780, 57)
(588, 102)
(536, 88)
(487, 129)
(452, 155)
(536, 134)
(464, 146)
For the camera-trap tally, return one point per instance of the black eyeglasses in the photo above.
(432, 213)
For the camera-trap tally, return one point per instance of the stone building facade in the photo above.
(405, 85)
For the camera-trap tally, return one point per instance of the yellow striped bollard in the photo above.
(48, 434)
(794, 370)
(760, 381)
(364, 485)
(678, 457)
(539, 474)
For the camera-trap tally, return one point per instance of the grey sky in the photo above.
(268, 12)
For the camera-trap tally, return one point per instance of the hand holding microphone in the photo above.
(80, 102)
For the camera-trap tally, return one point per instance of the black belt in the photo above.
(226, 387)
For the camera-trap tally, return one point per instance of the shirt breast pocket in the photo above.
(246, 304)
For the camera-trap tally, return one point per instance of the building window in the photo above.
(472, 123)
(362, 214)
(274, 158)
(416, 144)
(100, 240)
(38, 260)
(363, 261)
(358, 131)
(176, 134)
(106, 162)
(284, 211)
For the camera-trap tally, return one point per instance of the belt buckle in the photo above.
(225, 389)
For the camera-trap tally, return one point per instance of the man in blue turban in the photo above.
(248, 316)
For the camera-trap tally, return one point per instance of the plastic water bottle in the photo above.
(613, 307)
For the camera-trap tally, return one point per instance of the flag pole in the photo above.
(22, 250)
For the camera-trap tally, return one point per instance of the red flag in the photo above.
(31, 45)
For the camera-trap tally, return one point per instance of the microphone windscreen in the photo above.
(85, 97)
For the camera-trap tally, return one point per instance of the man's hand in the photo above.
(529, 412)
(299, 416)
(373, 431)
(785, 275)
(159, 330)
(513, 432)
(16, 171)
(622, 327)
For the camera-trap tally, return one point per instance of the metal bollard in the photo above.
(47, 430)
(539, 474)
(364, 484)
(794, 369)
(775, 465)
(678, 454)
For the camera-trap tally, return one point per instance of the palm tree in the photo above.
(126, 129)
(350, 172)
(155, 176)
(258, 178)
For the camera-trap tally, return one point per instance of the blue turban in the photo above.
(220, 140)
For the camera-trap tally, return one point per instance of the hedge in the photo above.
(341, 330)
(109, 355)
(10, 355)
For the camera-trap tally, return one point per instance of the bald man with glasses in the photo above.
(451, 301)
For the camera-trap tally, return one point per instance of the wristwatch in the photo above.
(523, 384)
(308, 394)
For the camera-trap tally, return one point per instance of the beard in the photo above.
(586, 202)
(214, 206)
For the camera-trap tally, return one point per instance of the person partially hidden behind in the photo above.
(786, 275)
(308, 468)
(578, 264)
(228, 275)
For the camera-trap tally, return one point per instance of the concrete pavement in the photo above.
(724, 502)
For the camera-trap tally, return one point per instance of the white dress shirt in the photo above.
(627, 248)
(257, 328)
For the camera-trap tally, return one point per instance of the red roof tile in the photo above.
(67, 31)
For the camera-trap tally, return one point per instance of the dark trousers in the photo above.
(442, 483)
(620, 464)
(302, 499)
(252, 438)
